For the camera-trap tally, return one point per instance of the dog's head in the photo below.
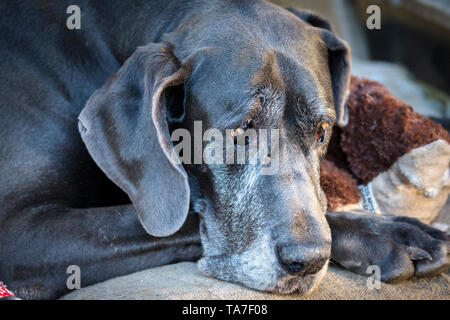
(254, 73)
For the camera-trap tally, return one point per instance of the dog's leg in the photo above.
(38, 247)
(400, 246)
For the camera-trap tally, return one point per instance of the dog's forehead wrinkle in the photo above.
(317, 102)
(238, 111)
(277, 73)
(275, 88)
(264, 105)
(303, 94)
(267, 109)
(309, 114)
(246, 105)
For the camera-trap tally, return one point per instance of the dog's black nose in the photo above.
(297, 259)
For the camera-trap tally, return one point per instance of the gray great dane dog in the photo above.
(103, 192)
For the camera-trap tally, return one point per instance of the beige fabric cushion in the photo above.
(418, 184)
(183, 281)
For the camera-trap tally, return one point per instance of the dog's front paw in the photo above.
(400, 246)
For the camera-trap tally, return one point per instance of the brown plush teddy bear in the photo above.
(388, 159)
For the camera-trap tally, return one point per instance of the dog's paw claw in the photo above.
(417, 254)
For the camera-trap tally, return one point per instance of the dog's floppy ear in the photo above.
(125, 130)
(339, 62)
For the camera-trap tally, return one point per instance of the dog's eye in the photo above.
(240, 139)
(321, 133)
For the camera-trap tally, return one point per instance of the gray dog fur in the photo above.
(223, 62)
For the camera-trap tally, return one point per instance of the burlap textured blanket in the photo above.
(183, 281)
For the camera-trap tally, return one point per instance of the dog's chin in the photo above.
(276, 281)
(303, 285)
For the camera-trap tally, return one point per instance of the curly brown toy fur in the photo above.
(339, 186)
(381, 129)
